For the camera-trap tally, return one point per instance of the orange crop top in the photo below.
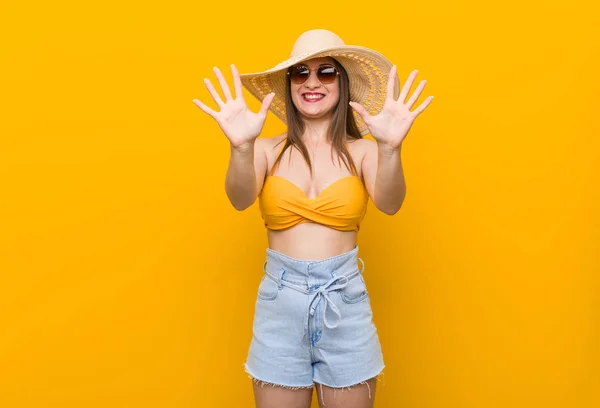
(341, 205)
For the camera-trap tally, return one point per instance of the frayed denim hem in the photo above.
(263, 383)
(349, 387)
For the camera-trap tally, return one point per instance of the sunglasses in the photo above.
(326, 74)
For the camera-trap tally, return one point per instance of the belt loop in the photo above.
(363, 265)
(280, 278)
(279, 275)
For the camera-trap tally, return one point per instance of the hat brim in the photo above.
(368, 73)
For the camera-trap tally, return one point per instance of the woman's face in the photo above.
(312, 98)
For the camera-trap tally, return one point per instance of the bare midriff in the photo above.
(311, 241)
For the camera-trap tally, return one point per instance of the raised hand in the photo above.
(392, 123)
(239, 124)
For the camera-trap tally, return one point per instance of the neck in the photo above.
(315, 130)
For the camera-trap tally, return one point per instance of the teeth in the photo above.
(313, 96)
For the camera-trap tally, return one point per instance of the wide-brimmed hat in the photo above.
(368, 73)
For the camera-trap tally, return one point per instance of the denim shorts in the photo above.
(313, 323)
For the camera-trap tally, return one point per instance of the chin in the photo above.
(317, 115)
(318, 112)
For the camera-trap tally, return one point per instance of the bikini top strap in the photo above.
(355, 172)
(278, 154)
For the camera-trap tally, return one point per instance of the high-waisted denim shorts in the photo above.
(313, 323)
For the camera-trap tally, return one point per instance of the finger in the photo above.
(390, 84)
(416, 94)
(361, 111)
(264, 108)
(205, 108)
(407, 85)
(223, 83)
(237, 83)
(211, 89)
(422, 106)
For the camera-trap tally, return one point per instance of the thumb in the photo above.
(361, 111)
(264, 108)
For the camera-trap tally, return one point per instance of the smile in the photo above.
(312, 97)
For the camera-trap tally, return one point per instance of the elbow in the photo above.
(240, 199)
(240, 205)
(392, 209)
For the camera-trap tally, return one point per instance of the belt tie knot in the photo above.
(322, 293)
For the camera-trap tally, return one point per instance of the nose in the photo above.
(312, 82)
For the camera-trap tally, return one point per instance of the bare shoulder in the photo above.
(363, 143)
(264, 153)
(361, 148)
(271, 144)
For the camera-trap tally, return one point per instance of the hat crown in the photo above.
(315, 40)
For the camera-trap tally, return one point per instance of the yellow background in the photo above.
(128, 280)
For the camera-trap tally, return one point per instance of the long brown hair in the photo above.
(343, 125)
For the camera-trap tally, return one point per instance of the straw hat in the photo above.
(367, 70)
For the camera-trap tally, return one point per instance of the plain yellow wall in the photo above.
(128, 280)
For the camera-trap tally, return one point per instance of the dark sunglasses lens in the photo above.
(327, 74)
(299, 74)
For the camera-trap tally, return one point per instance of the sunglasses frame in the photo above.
(337, 73)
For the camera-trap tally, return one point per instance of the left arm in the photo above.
(382, 165)
(383, 175)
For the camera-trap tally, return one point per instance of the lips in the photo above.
(312, 96)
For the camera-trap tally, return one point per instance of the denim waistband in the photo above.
(314, 278)
(311, 273)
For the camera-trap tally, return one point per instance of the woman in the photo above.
(313, 320)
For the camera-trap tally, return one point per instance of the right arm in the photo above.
(248, 160)
(246, 173)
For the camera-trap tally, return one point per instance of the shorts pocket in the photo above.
(268, 289)
(355, 291)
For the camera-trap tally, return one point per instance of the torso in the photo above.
(309, 240)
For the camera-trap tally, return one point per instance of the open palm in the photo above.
(392, 123)
(239, 123)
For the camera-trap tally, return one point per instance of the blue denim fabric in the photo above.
(313, 323)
